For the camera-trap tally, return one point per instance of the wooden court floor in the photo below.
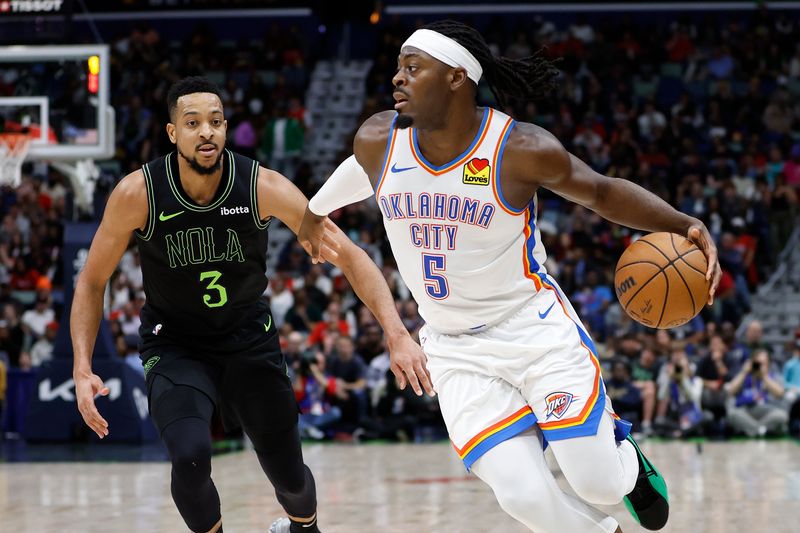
(745, 486)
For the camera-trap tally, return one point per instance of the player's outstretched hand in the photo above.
(408, 366)
(311, 234)
(700, 236)
(87, 387)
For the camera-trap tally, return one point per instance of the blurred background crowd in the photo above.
(701, 111)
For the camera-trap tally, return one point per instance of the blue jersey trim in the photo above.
(460, 156)
(530, 243)
(514, 429)
(497, 166)
(392, 133)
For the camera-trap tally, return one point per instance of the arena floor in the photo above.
(743, 486)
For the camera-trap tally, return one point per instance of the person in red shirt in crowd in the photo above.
(333, 322)
(746, 244)
(23, 277)
(680, 46)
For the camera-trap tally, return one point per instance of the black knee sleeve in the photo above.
(188, 441)
(282, 460)
(170, 402)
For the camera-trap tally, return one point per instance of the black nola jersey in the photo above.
(203, 266)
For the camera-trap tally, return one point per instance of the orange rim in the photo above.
(16, 142)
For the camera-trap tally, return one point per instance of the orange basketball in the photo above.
(661, 280)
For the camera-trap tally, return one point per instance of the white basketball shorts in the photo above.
(538, 366)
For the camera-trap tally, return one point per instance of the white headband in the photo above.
(446, 50)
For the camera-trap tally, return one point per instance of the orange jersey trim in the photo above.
(461, 160)
(491, 430)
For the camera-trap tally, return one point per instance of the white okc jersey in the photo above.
(469, 258)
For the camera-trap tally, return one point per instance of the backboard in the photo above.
(60, 93)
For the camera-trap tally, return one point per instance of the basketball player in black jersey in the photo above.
(200, 216)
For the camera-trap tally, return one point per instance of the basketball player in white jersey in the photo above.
(513, 366)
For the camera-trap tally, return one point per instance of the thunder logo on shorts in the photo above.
(557, 404)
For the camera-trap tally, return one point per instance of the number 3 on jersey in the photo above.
(214, 275)
(433, 266)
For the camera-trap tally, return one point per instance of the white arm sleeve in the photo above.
(348, 184)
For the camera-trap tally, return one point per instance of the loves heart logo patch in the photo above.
(477, 172)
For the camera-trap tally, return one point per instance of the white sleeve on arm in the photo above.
(348, 184)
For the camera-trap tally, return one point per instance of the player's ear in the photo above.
(457, 78)
(171, 132)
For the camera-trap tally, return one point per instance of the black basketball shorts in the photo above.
(243, 374)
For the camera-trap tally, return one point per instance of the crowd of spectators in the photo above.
(701, 112)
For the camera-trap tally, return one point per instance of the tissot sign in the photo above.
(31, 6)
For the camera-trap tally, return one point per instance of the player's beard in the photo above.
(403, 121)
(200, 169)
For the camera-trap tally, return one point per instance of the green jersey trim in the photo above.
(260, 224)
(197, 208)
(151, 206)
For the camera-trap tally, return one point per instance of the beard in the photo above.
(403, 121)
(200, 169)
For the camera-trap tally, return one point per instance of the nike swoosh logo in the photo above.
(395, 170)
(162, 217)
(268, 324)
(547, 311)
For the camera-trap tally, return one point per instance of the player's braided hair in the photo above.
(529, 78)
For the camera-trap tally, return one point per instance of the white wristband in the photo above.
(348, 184)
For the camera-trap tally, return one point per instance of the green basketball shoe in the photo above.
(648, 502)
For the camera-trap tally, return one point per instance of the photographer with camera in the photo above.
(716, 368)
(679, 392)
(314, 389)
(791, 378)
(758, 394)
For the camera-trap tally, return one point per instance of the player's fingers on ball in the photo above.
(711, 255)
(715, 282)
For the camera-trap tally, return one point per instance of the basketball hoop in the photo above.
(13, 149)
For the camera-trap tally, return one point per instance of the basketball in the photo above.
(660, 280)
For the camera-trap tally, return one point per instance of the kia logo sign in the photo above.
(30, 6)
(65, 391)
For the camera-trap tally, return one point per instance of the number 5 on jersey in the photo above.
(222, 294)
(433, 267)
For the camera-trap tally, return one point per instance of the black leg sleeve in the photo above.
(188, 441)
(282, 460)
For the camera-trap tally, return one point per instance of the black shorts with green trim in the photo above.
(243, 374)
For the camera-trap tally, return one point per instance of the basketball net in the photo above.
(13, 149)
